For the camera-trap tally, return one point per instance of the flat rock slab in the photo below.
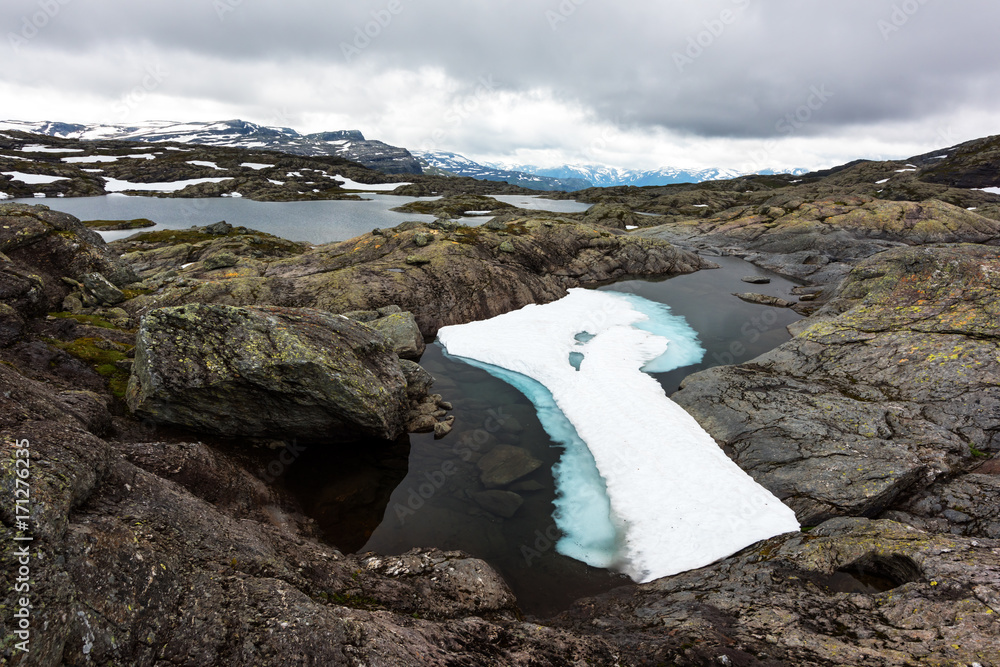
(501, 503)
(763, 299)
(505, 464)
(269, 372)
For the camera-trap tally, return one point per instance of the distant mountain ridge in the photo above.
(377, 155)
(462, 166)
(348, 144)
(603, 176)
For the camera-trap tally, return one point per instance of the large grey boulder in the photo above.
(265, 371)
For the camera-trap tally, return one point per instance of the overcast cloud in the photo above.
(640, 84)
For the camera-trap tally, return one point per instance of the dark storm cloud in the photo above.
(727, 68)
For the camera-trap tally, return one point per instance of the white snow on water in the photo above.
(87, 159)
(674, 500)
(348, 184)
(114, 185)
(33, 179)
(256, 165)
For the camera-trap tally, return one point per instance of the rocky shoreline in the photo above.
(160, 542)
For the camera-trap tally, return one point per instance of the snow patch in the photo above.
(4, 195)
(114, 185)
(141, 156)
(675, 500)
(90, 159)
(275, 182)
(33, 179)
(993, 191)
(348, 184)
(631, 226)
(206, 163)
(38, 148)
(256, 165)
(883, 181)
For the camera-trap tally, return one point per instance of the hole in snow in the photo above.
(575, 359)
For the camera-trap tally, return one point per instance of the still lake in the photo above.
(311, 221)
(420, 492)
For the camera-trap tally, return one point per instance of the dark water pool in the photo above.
(432, 495)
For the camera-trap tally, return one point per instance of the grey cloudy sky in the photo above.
(641, 84)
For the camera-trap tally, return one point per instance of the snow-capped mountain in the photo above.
(349, 144)
(463, 166)
(604, 176)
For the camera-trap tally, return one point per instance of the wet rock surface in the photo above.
(785, 602)
(890, 387)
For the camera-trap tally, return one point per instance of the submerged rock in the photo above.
(505, 464)
(501, 503)
(269, 372)
(763, 299)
